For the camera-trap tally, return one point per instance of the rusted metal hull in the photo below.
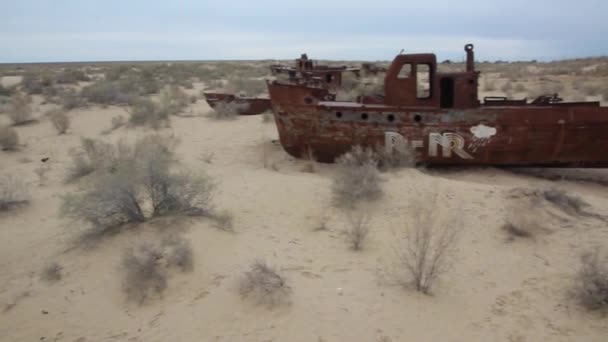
(548, 135)
(244, 105)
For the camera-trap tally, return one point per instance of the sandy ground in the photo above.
(496, 290)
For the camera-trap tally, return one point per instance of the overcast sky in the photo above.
(96, 30)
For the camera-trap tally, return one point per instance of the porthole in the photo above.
(338, 114)
(417, 118)
(364, 116)
(390, 118)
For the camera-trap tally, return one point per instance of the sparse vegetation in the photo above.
(173, 100)
(145, 276)
(130, 177)
(519, 88)
(245, 86)
(264, 285)
(591, 286)
(147, 112)
(178, 253)
(117, 122)
(13, 192)
(71, 99)
(60, 120)
(357, 179)
(107, 93)
(9, 139)
(41, 172)
(36, 82)
(522, 222)
(51, 272)
(71, 76)
(223, 221)
(310, 165)
(358, 229)
(425, 254)
(568, 203)
(95, 155)
(4, 91)
(489, 84)
(20, 111)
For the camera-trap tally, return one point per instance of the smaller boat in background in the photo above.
(243, 105)
(304, 72)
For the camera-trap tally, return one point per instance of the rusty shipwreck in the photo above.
(439, 116)
(304, 71)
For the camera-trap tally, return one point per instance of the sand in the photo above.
(496, 290)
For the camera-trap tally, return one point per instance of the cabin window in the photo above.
(446, 86)
(423, 81)
(329, 78)
(405, 72)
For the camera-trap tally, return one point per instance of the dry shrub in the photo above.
(425, 254)
(311, 162)
(95, 155)
(400, 156)
(71, 76)
(8, 138)
(110, 201)
(489, 84)
(264, 285)
(519, 88)
(60, 120)
(4, 91)
(145, 275)
(184, 193)
(357, 179)
(604, 93)
(223, 221)
(71, 99)
(568, 203)
(107, 93)
(20, 111)
(147, 112)
(135, 177)
(173, 100)
(591, 89)
(13, 192)
(591, 287)
(521, 221)
(41, 172)
(358, 229)
(117, 122)
(178, 253)
(245, 86)
(51, 272)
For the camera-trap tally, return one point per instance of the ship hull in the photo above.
(244, 105)
(551, 135)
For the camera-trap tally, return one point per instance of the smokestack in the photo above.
(470, 57)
